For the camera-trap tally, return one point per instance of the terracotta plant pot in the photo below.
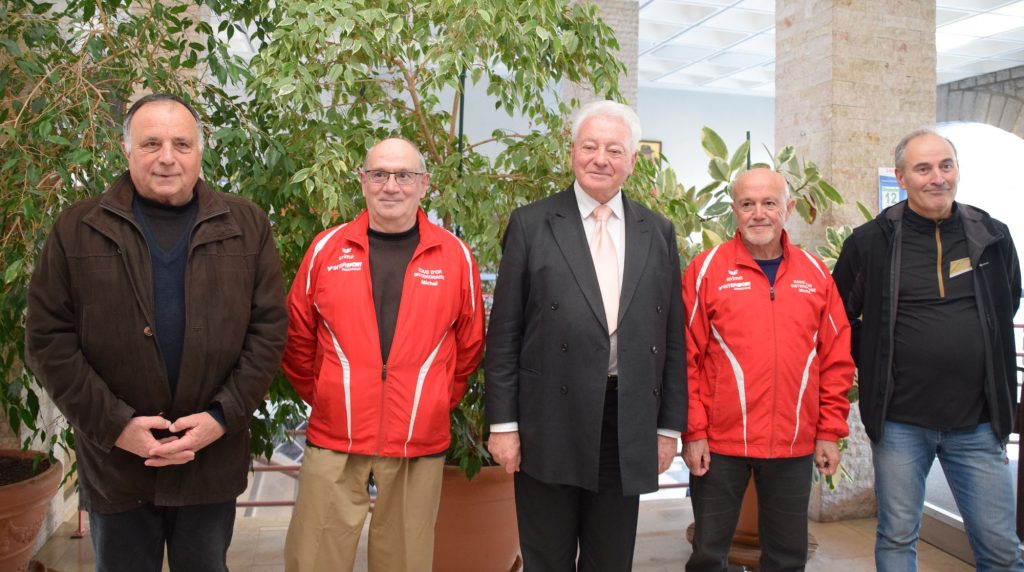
(476, 523)
(23, 507)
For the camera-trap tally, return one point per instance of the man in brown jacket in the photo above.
(156, 322)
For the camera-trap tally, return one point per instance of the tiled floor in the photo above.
(258, 543)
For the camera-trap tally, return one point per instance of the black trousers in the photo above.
(783, 489)
(196, 537)
(558, 522)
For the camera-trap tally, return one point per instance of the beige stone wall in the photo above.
(623, 16)
(851, 78)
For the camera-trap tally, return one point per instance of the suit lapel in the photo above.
(567, 228)
(638, 241)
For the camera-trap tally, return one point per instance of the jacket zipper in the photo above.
(938, 261)
(775, 368)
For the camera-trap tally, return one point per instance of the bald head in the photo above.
(762, 177)
(761, 203)
(394, 145)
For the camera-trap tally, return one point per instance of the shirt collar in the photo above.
(587, 203)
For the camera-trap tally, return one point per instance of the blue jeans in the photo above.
(978, 474)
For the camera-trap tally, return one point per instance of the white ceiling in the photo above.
(729, 45)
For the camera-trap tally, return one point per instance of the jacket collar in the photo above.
(430, 234)
(743, 255)
(210, 223)
(977, 225)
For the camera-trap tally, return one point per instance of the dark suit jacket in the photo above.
(546, 362)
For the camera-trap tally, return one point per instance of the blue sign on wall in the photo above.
(889, 191)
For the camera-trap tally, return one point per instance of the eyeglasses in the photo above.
(403, 178)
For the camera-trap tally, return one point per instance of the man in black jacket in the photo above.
(586, 359)
(931, 287)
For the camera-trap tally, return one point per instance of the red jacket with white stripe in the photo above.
(333, 357)
(769, 367)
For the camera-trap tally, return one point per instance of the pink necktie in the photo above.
(606, 263)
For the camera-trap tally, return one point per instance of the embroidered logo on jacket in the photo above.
(735, 281)
(346, 266)
(429, 277)
(803, 287)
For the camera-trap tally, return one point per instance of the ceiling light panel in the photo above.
(983, 25)
(943, 17)
(676, 13)
(742, 21)
(972, 5)
(985, 48)
(763, 44)
(682, 53)
(659, 65)
(737, 59)
(708, 38)
(657, 32)
(1015, 9)
(759, 5)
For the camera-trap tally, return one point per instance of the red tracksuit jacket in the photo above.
(333, 358)
(769, 367)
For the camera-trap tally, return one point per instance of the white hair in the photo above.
(609, 108)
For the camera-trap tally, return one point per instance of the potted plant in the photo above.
(28, 480)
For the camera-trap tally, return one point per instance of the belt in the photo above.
(613, 383)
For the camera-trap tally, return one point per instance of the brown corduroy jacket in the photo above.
(90, 342)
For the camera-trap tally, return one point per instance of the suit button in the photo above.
(554, 305)
(659, 308)
(563, 390)
(147, 331)
(565, 347)
(654, 349)
(657, 391)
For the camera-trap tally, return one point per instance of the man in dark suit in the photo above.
(586, 363)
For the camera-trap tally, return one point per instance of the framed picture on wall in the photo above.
(650, 149)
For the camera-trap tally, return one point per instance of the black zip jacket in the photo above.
(869, 287)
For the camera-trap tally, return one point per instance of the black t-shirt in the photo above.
(390, 254)
(938, 358)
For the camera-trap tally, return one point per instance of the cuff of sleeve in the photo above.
(119, 417)
(694, 436)
(827, 437)
(510, 427)
(669, 433)
(217, 412)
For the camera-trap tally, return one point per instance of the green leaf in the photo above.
(739, 157)
(713, 144)
(286, 89)
(830, 192)
(13, 269)
(80, 156)
(11, 46)
(864, 211)
(785, 155)
(719, 170)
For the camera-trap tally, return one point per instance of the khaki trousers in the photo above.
(333, 502)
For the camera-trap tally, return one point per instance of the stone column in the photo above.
(623, 16)
(851, 78)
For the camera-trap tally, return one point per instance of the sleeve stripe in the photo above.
(469, 266)
(316, 250)
(700, 279)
